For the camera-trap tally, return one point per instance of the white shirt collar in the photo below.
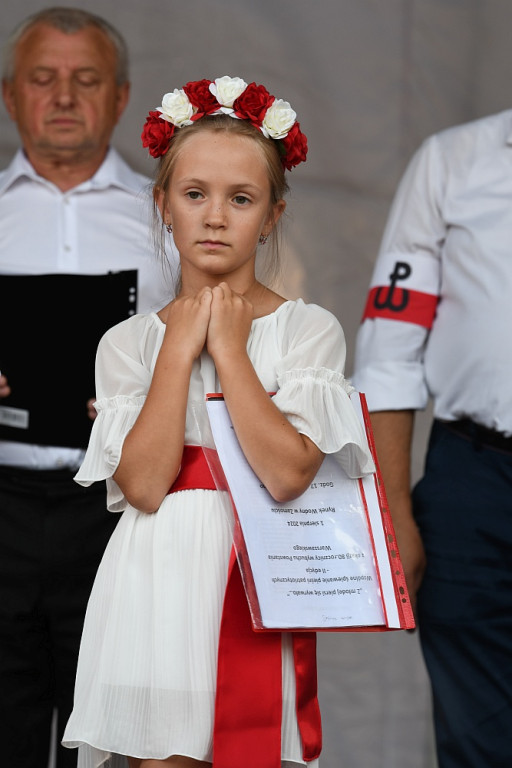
(113, 172)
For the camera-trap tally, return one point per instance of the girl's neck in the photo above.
(264, 300)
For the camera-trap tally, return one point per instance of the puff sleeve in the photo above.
(314, 394)
(123, 373)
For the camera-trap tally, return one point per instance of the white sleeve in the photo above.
(123, 375)
(314, 394)
(116, 416)
(404, 289)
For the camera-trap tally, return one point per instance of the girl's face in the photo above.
(218, 203)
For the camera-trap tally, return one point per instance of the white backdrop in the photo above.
(369, 80)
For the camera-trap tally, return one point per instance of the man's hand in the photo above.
(5, 389)
(393, 431)
(91, 410)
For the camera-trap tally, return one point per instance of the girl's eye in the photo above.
(194, 194)
(241, 199)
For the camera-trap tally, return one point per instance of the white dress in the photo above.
(146, 675)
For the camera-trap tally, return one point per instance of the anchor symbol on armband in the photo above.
(401, 271)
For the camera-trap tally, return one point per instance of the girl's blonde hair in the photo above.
(225, 124)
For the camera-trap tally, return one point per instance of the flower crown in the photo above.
(230, 96)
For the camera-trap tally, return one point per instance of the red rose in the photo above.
(295, 146)
(156, 134)
(253, 103)
(201, 98)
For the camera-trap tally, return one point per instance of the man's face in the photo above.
(64, 96)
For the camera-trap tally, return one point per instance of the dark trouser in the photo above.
(463, 507)
(52, 536)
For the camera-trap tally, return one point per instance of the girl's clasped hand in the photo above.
(215, 317)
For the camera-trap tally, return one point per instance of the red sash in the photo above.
(248, 703)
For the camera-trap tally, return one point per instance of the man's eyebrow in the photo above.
(44, 68)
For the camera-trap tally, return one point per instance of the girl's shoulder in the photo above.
(295, 323)
(133, 329)
(298, 311)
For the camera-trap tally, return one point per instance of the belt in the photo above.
(481, 436)
(58, 472)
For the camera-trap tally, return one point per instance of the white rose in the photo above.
(278, 119)
(227, 89)
(177, 108)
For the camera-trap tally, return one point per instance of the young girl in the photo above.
(170, 671)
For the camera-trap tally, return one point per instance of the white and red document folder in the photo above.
(326, 561)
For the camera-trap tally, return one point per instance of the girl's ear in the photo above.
(159, 197)
(274, 215)
(279, 209)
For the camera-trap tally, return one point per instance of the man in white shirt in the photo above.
(71, 210)
(437, 324)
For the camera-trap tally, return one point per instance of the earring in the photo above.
(169, 228)
(262, 239)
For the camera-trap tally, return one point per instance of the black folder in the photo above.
(51, 326)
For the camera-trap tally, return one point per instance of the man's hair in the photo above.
(69, 21)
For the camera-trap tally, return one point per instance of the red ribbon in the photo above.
(194, 471)
(248, 704)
